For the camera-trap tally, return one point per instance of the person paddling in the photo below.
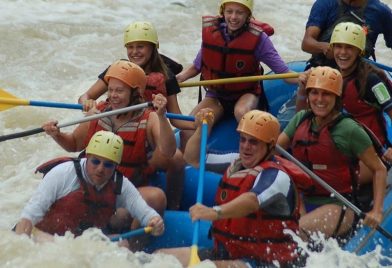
(142, 43)
(233, 45)
(331, 145)
(257, 204)
(367, 91)
(76, 194)
(143, 131)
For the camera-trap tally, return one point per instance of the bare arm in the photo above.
(173, 107)
(312, 46)
(159, 130)
(24, 226)
(189, 72)
(71, 142)
(301, 100)
(192, 148)
(239, 207)
(373, 162)
(94, 92)
(283, 140)
(291, 80)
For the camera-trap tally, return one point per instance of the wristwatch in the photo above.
(218, 211)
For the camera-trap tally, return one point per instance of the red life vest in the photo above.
(364, 112)
(155, 85)
(318, 152)
(83, 208)
(221, 59)
(134, 161)
(259, 235)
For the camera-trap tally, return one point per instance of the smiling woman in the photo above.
(332, 145)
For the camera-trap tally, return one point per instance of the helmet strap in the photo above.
(267, 155)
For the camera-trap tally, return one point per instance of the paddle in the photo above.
(81, 120)
(194, 258)
(239, 79)
(327, 187)
(379, 65)
(7, 101)
(132, 233)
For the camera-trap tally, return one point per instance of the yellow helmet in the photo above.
(141, 31)
(326, 78)
(261, 125)
(129, 73)
(106, 144)
(349, 33)
(247, 3)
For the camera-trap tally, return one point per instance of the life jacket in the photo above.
(83, 208)
(259, 235)
(134, 161)
(364, 112)
(343, 15)
(318, 152)
(155, 85)
(222, 59)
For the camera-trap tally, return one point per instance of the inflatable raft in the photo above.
(224, 141)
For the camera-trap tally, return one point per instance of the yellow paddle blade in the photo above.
(7, 100)
(194, 258)
(5, 94)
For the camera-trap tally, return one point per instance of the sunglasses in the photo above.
(106, 164)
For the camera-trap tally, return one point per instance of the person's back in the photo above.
(374, 15)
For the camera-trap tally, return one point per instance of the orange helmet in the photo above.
(129, 73)
(326, 78)
(261, 125)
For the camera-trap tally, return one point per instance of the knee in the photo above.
(178, 160)
(121, 219)
(175, 163)
(156, 198)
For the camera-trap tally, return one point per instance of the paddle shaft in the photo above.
(239, 79)
(327, 187)
(194, 258)
(132, 233)
(14, 101)
(81, 120)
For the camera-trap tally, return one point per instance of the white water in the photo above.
(53, 50)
